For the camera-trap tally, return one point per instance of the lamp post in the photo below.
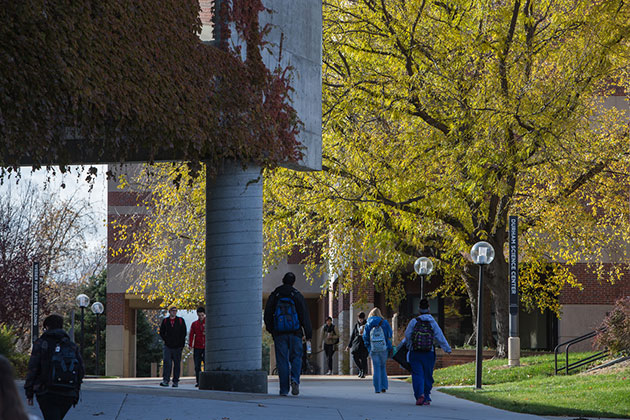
(482, 253)
(97, 309)
(423, 267)
(83, 301)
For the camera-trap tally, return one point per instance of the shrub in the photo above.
(7, 340)
(20, 364)
(616, 332)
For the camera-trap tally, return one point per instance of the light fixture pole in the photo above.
(83, 301)
(97, 309)
(423, 267)
(482, 253)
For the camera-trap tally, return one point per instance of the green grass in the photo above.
(605, 395)
(533, 388)
(497, 371)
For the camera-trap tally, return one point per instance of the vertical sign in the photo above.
(513, 260)
(35, 303)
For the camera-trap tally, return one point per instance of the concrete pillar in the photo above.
(234, 282)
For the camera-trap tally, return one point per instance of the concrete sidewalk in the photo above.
(330, 398)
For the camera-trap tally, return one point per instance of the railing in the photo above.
(574, 365)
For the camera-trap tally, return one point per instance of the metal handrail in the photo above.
(570, 366)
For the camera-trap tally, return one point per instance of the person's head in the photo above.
(289, 279)
(172, 311)
(361, 317)
(375, 312)
(11, 407)
(53, 322)
(328, 321)
(424, 306)
(201, 313)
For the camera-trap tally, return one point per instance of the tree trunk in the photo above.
(497, 275)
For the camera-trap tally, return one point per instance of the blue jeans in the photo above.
(379, 370)
(288, 359)
(422, 364)
(172, 360)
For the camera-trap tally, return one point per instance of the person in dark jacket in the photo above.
(53, 401)
(197, 340)
(328, 339)
(357, 347)
(173, 332)
(288, 344)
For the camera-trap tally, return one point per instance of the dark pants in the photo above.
(288, 359)
(361, 360)
(54, 407)
(198, 357)
(329, 349)
(172, 360)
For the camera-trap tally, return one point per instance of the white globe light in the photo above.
(423, 266)
(83, 301)
(97, 308)
(482, 253)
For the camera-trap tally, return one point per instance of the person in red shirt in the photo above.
(197, 340)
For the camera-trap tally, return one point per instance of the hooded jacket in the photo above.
(38, 374)
(437, 332)
(372, 322)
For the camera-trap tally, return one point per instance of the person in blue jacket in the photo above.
(422, 362)
(377, 337)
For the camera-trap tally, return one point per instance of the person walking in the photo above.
(328, 339)
(173, 332)
(197, 341)
(55, 371)
(287, 320)
(377, 337)
(357, 346)
(419, 336)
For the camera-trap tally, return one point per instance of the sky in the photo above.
(74, 185)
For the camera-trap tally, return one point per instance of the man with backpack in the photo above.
(173, 332)
(55, 371)
(287, 319)
(419, 337)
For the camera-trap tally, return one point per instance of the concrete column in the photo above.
(234, 282)
(514, 351)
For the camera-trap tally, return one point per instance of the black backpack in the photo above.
(63, 367)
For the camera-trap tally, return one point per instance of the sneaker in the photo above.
(426, 402)
(383, 390)
(420, 400)
(163, 383)
(196, 385)
(295, 388)
(284, 394)
(362, 375)
(175, 384)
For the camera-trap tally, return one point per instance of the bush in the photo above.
(7, 341)
(20, 364)
(616, 329)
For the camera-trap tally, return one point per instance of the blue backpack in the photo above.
(285, 317)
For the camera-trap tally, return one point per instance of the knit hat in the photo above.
(424, 306)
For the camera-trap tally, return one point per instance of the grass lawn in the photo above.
(532, 388)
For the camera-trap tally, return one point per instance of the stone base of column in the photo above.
(254, 381)
(514, 351)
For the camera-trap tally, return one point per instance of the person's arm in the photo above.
(439, 336)
(304, 317)
(366, 336)
(191, 335)
(163, 330)
(34, 370)
(268, 316)
(183, 332)
(389, 334)
(352, 337)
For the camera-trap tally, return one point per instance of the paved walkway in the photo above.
(320, 398)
